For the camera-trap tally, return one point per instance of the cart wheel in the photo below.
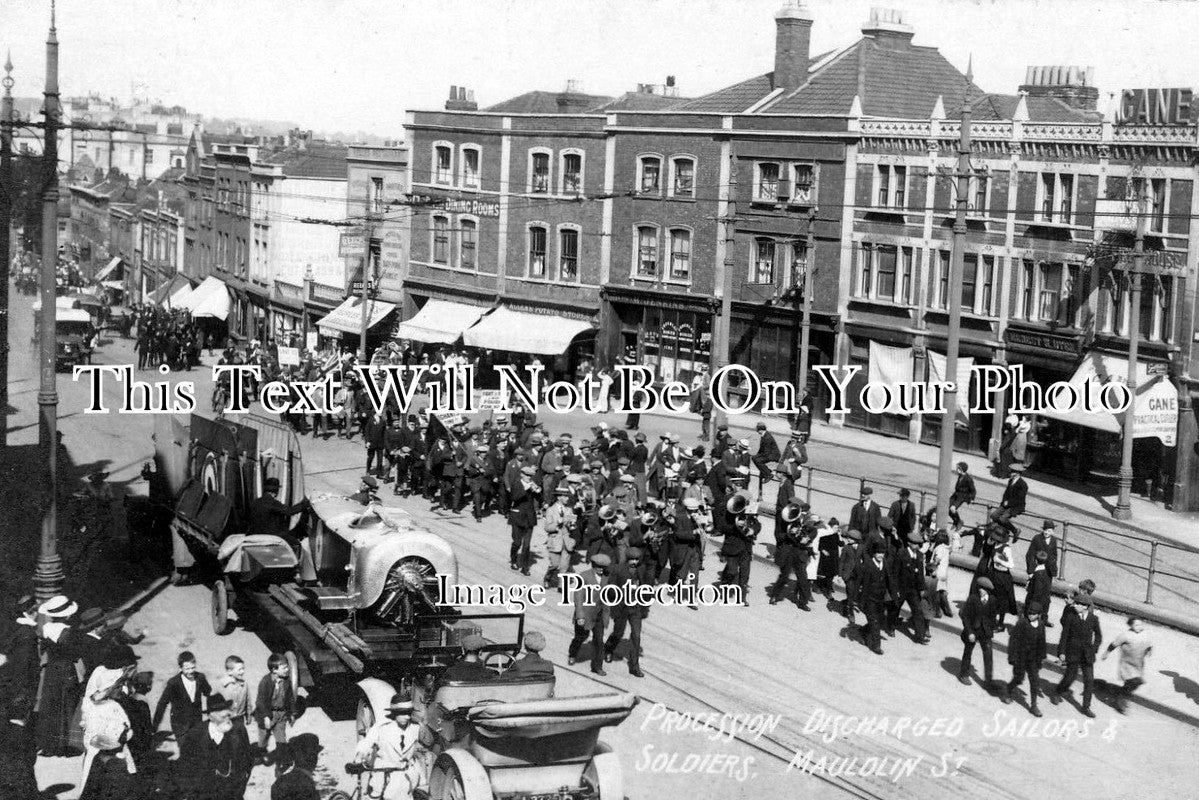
(293, 671)
(220, 608)
(364, 719)
(604, 777)
(457, 775)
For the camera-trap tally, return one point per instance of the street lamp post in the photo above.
(1123, 509)
(954, 303)
(48, 578)
(6, 193)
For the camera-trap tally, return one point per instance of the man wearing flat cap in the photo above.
(865, 514)
(532, 664)
(366, 491)
(768, 455)
(470, 667)
(628, 614)
(978, 628)
(522, 516)
(590, 619)
(267, 515)
(393, 743)
(1015, 495)
(1026, 653)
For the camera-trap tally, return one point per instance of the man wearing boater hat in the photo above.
(394, 744)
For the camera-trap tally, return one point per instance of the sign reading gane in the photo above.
(1155, 107)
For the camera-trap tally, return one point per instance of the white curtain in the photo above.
(936, 372)
(890, 366)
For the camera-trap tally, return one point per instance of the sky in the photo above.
(359, 64)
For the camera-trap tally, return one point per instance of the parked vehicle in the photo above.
(74, 338)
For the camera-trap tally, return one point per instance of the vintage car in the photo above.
(73, 337)
(351, 589)
(510, 737)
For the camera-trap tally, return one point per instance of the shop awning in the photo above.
(520, 332)
(209, 299)
(165, 292)
(347, 317)
(440, 321)
(1156, 411)
(109, 268)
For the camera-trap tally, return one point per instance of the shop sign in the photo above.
(458, 205)
(1155, 107)
(1156, 413)
(1043, 340)
(352, 245)
(289, 356)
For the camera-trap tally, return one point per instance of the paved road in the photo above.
(764, 660)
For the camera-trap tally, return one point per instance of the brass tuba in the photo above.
(791, 513)
(737, 504)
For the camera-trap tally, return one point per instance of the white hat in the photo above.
(743, 442)
(104, 679)
(58, 607)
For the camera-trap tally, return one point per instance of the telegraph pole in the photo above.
(366, 282)
(805, 331)
(724, 284)
(6, 196)
(962, 175)
(48, 578)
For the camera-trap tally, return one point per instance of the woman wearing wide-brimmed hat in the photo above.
(104, 718)
(60, 690)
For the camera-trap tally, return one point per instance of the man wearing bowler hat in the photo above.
(215, 757)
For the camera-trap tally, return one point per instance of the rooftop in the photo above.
(313, 160)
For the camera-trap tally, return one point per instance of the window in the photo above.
(649, 177)
(799, 261)
(149, 156)
(985, 282)
(865, 269)
(537, 238)
(572, 173)
(767, 186)
(468, 238)
(682, 181)
(892, 186)
(568, 254)
(647, 251)
(376, 200)
(442, 163)
(885, 272)
(539, 174)
(979, 186)
(1155, 196)
(470, 167)
(906, 270)
(942, 279)
(1057, 197)
(680, 254)
(1049, 291)
(886, 261)
(804, 179)
(441, 240)
(762, 270)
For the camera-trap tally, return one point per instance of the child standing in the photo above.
(187, 694)
(234, 689)
(275, 705)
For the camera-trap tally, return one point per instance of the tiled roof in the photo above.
(546, 103)
(733, 99)
(892, 77)
(313, 161)
(641, 101)
(1040, 109)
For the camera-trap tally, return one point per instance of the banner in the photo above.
(890, 366)
(936, 372)
(289, 356)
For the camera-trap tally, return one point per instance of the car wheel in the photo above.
(457, 775)
(604, 777)
(364, 719)
(220, 608)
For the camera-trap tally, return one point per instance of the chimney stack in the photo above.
(461, 99)
(572, 100)
(886, 25)
(1074, 86)
(792, 45)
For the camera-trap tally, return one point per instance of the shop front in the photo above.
(344, 324)
(519, 335)
(670, 335)
(768, 340)
(972, 429)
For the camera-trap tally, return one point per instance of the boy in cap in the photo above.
(275, 704)
(393, 743)
(1026, 654)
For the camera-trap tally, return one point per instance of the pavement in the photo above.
(789, 674)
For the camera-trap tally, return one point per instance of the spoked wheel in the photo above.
(364, 719)
(293, 671)
(457, 775)
(220, 608)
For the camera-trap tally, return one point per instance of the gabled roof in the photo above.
(538, 102)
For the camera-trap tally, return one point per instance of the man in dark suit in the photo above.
(269, 516)
(768, 453)
(908, 581)
(522, 516)
(1045, 541)
(872, 595)
(590, 619)
(531, 664)
(1080, 642)
(903, 514)
(1026, 654)
(374, 435)
(1012, 505)
(20, 670)
(630, 614)
(216, 758)
(1040, 584)
(187, 695)
(978, 628)
(789, 473)
(865, 514)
